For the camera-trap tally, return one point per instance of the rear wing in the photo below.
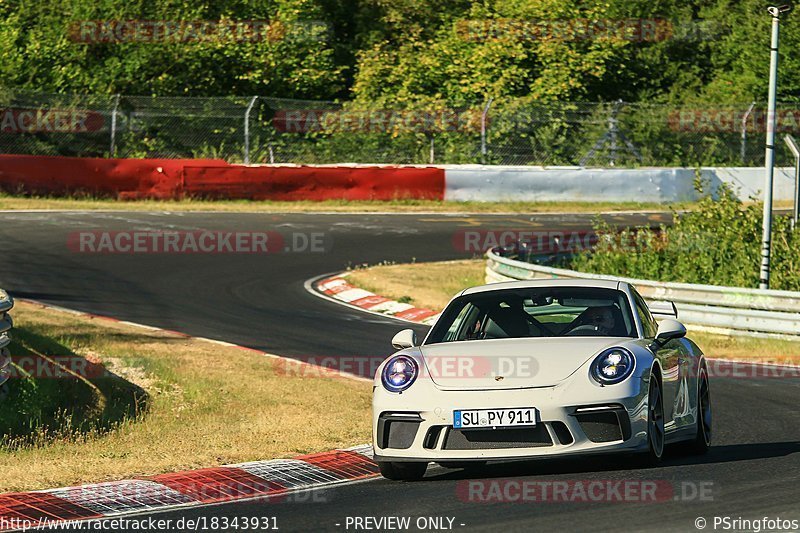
(663, 309)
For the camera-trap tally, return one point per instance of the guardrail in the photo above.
(729, 310)
(6, 303)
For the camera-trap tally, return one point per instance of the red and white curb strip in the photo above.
(339, 289)
(269, 480)
(264, 480)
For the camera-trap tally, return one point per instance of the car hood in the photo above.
(509, 363)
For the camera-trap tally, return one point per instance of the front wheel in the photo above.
(655, 425)
(403, 471)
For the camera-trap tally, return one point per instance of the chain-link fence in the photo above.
(501, 131)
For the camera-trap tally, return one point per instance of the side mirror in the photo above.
(405, 339)
(669, 329)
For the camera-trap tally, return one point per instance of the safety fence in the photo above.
(730, 310)
(502, 131)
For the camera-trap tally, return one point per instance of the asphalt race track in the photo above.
(255, 300)
(258, 300)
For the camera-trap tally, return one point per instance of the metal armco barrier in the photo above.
(6, 303)
(729, 309)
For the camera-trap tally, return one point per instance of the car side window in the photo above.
(460, 327)
(648, 322)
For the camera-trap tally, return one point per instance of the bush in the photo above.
(719, 243)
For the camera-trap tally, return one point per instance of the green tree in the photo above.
(37, 44)
(491, 50)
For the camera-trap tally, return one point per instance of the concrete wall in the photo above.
(493, 183)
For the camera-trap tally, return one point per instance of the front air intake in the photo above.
(482, 439)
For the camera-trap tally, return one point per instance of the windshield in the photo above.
(536, 312)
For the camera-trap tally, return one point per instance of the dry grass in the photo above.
(207, 405)
(748, 349)
(343, 206)
(431, 285)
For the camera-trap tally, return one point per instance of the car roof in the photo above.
(599, 283)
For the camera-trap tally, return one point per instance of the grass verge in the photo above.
(431, 285)
(13, 202)
(162, 403)
(426, 285)
(81, 203)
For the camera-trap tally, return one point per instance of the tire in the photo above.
(403, 471)
(655, 426)
(702, 440)
(466, 465)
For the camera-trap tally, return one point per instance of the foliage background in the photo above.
(551, 94)
(718, 243)
(403, 51)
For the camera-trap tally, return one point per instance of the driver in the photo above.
(602, 318)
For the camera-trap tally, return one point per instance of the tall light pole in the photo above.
(769, 163)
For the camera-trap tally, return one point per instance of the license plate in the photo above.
(494, 418)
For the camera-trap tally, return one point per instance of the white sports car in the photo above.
(6, 303)
(540, 368)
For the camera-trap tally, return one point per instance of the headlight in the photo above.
(399, 373)
(613, 366)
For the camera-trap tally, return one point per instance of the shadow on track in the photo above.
(554, 467)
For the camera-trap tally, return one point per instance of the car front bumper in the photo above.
(417, 425)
